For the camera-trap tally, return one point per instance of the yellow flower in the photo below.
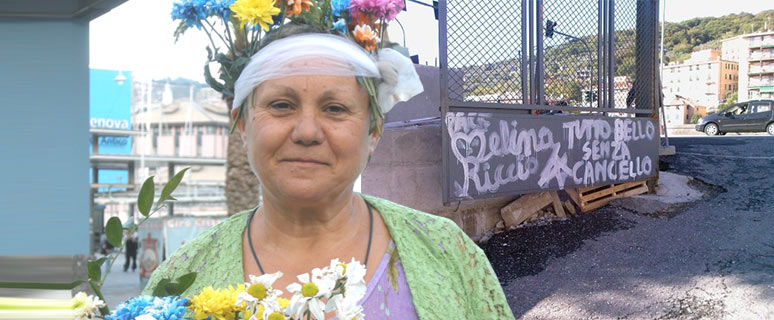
(276, 316)
(257, 290)
(283, 302)
(255, 12)
(218, 304)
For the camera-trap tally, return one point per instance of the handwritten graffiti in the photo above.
(493, 152)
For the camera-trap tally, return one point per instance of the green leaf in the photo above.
(238, 66)
(171, 289)
(184, 282)
(223, 59)
(214, 84)
(145, 198)
(181, 28)
(161, 288)
(114, 231)
(166, 192)
(95, 268)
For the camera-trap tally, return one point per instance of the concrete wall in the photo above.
(44, 134)
(406, 166)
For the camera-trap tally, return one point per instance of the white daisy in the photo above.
(85, 306)
(310, 291)
(355, 287)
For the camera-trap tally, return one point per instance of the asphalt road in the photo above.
(712, 260)
(119, 285)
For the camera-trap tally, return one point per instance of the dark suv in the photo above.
(750, 116)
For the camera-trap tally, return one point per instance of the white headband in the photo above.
(398, 80)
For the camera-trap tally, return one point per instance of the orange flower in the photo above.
(295, 7)
(366, 36)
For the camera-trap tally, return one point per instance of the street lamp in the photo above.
(120, 78)
(550, 30)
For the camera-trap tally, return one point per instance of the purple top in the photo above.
(387, 294)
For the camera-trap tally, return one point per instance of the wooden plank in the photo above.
(633, 192)
(611, 190)
(558, 209)
(569, 207)
(524, 207)
(574, 196)
(602, 196)
(595, 205)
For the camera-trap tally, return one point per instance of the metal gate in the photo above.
(528, 86)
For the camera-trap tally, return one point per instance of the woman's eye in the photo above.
(280, 106)
(335, 109)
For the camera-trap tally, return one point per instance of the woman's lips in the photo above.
(305, 162)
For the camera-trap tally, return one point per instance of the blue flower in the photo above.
(191, 12)
(339, 7)
(340, 26)
(166, 308)
(220, 8)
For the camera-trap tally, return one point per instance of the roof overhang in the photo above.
(85, 10)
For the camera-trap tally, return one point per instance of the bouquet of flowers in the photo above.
(335, 288)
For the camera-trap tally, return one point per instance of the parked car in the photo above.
(750, 116)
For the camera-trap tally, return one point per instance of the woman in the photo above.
(310, 126)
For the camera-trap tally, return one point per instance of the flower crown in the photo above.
(251, 24)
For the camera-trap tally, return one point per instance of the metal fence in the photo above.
(546, 54)
(504, 63)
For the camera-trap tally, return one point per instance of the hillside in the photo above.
(701, 33)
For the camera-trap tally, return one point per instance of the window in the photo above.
(761, 107)
(738, 109)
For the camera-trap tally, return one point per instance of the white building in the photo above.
(754, 53)
(679, 110)
(171, 131)
(704, 78)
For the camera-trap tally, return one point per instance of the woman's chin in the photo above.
(308, 194)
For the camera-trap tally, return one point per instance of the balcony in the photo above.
(760, 71)
(762, 44)
(761, 57)
(761, 82)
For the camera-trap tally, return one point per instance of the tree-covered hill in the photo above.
(681, 38)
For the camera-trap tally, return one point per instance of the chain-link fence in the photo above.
(484, 48)
(570, 52)
(625, 32)
(535, 54)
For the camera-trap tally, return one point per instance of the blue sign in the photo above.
(110, 107)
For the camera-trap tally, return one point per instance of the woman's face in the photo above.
(307, 137)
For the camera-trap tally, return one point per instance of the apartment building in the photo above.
(754, 53)
(705, 78)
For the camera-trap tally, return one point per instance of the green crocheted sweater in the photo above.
(449, 275)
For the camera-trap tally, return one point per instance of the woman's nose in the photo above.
(307, 130)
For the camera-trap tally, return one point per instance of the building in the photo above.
(621, 87)
(680, 110)
(706, 78)
(170, 126)
(754, 53)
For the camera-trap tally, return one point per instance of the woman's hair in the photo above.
(291, 29)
